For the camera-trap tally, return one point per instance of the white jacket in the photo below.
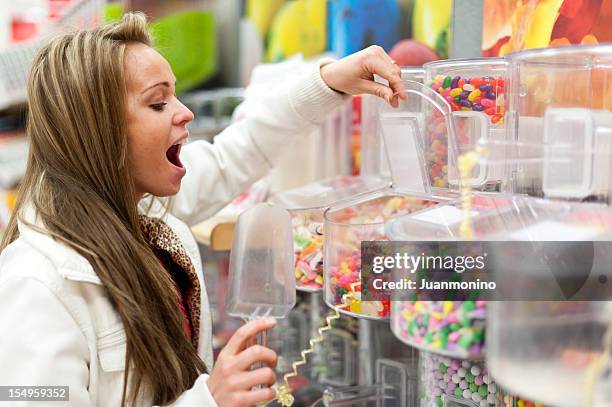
(57, 325)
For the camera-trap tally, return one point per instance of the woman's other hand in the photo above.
(232, 379)
(354, 75)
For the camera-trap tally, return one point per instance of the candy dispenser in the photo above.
(445, 381)
(475, 90)
(306, 204)
(566, 81)
(374, 158)
(347, 224)
(556, 352)
(450, 328)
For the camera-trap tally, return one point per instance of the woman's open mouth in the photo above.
(173, 155)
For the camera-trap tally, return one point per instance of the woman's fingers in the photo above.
(247, 380)
(255, 354)
(239, 340)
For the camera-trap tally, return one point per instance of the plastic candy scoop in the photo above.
(261, 279)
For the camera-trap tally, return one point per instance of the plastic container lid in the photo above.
(261, 280)
(404, 130)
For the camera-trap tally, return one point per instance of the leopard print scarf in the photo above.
(160, 236)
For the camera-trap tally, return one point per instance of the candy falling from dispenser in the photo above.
(348, 228)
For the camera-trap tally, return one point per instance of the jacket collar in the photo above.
(68, 262)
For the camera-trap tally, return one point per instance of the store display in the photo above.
(448, 327)
(540, 83)
(347, 228)
(449, 382)
(346, 225)
(476, 92)
(306, 206)
(542, 350)
(452, 328)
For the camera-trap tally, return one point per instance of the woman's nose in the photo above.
(183, 116)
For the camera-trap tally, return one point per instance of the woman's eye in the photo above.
(158, 106)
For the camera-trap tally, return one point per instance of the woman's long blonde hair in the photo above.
(79, 183)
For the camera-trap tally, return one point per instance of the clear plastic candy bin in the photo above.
(306, 204)
(476, 92)
(349, 223)
(450, 328)
(448, 382)
(552, 351)
(445, 381)
(570, 80)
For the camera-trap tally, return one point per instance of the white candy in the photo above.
(442, 384)
(461, 372)
(437, 392)
(492, 388)
(486, 379)
(467, 394)
(455, 378)
(491, 399)
(476, 397)
(475, 370)
(484, 403)
(466, 364)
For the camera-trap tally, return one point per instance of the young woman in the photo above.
(101, 288)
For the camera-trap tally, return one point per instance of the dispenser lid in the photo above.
(420, 142)
(319, 195)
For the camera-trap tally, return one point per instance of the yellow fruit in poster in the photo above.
(542, 22)
(262, 12)
(299, 26)
(429, 19)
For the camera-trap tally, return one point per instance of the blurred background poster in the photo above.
(512, 25)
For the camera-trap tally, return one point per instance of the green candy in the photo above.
(426, 320)
(457, 99)
(466, 340)
(301, 241)
(454, 326)
(483, 390)
(447, 82)
(465, 321)
(444, 337)
(457, 392)
(439, 402)
(469, 377)
(442, 368)
(469, 306)
(429, 338)
(473, 388)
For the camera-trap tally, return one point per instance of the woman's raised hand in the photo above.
(354, 75)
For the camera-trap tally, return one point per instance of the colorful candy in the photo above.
(308, 249)
(478, 94)
(443, 377)
(450, 327)
(348, 228)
